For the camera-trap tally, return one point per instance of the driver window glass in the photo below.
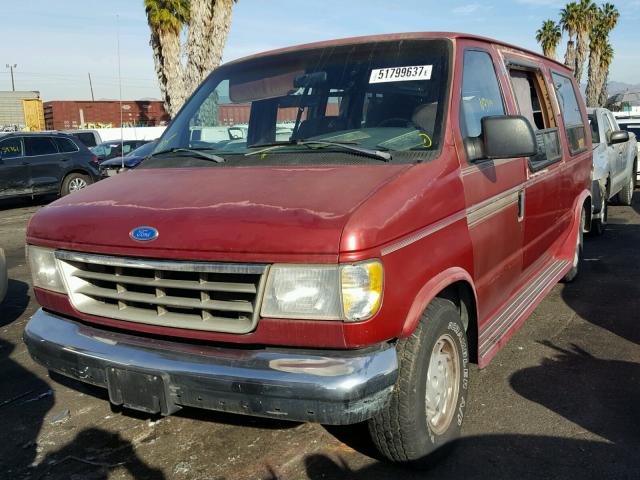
(481, 95)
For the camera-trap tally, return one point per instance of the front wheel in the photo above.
(74, 182)
(424, 415)
(625, 197)
(598, 225)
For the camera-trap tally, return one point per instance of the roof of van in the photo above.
(395, 36)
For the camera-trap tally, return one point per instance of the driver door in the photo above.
(493, 188)
(14, 171)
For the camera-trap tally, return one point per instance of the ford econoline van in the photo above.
(430, 191)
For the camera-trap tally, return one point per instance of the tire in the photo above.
(599, 225)
(625, 196)
(577, 259)
(74, 182)
(407, 430)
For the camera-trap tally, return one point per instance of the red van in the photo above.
(394, 208)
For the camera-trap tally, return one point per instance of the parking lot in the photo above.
(559, 401)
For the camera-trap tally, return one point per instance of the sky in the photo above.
(57, 44)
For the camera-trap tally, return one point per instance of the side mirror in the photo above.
(508, 136)
(619, 136)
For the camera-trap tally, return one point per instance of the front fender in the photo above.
(601, 167)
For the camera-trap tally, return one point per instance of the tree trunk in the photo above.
(570, 55)
(581, 54)
(594, 82)
(166, 56)
(208, 29)
(604, 91)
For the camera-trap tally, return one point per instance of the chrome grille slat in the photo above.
(165, 300)
(195, 295)
(167, 283)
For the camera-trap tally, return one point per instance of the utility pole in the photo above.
(13, 85)
(91, 87)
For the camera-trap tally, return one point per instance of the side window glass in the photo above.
(65, 145)
(39, 146)
(11, 148)
(532, 97)
(573, 123)
(481, 96)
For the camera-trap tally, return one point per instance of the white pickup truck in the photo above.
(615, 160)
(630, 123)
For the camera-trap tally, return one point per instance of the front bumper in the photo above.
(159, 376)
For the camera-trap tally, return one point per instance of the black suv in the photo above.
(38, 163)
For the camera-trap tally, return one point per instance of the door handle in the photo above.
(520, 205)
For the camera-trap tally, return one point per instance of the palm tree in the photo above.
(548, 36)
(587, 13)
(605, 61)
(166, 19)
(207, 23)
(569, 23)
(606, 20)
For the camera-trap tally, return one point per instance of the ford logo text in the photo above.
(144, 234)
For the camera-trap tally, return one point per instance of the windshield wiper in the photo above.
(351, 146)
(193, 151)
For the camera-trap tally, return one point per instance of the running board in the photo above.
(496, 328)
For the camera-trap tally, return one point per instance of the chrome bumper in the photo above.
(159, 376)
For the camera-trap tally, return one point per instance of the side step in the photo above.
(496, 328)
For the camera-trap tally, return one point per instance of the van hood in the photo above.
(213, 213)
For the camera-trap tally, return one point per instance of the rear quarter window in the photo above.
(570, 109)
(65, 145)
(87, 138)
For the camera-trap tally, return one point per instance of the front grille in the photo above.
(219, 297)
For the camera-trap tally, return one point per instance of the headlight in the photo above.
(44, 269)
(323, 292)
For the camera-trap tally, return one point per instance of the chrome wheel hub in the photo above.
(77, 184)
(443, 381)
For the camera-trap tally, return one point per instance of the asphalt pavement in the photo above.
(559, 401)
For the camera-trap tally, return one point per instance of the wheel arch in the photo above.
(454, 284)
(79, 170)
(583, 202)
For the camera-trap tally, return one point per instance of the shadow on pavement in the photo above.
(26, 397)
(15, 302)
(95, 453)
(599, 395)
(22, 202)
(607, 291)
(499, 457)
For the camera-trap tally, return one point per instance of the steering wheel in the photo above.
(398, 121)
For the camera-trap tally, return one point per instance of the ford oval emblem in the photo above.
(144, 234)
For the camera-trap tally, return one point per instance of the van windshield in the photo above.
(309, 106)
